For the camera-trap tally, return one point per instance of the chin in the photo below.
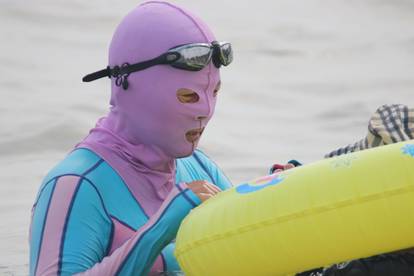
(190, 148)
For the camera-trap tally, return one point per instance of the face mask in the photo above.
(149, 112)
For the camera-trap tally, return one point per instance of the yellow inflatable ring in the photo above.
(338, 209)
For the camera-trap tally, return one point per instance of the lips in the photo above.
(194, 135)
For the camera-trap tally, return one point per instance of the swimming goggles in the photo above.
(190, 57)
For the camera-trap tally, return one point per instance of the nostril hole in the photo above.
(217, 88)
(185, 95)
(199, 118)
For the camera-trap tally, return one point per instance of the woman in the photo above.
(117, 200)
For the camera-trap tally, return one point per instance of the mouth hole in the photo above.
(185, 95)
(193, 135)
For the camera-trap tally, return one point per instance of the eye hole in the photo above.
(217, 88)
(185, 95)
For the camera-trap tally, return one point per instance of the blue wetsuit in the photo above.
(85, 219)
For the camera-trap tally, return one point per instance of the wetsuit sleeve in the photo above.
(213, 170)
(71, 232)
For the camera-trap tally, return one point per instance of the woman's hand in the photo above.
(203, 189)
(280, 168)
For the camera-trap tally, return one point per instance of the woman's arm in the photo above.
(71, 231)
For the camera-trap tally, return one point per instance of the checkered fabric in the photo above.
(389, 124)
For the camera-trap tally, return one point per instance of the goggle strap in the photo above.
(166, 58)
(97, 75)
(126, 69)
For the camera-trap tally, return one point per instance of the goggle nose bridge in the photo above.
(216, 54)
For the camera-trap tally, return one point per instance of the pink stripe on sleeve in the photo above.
(121, 234)
(111, 264)
(48, 263)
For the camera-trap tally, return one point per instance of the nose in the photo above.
(204, 108)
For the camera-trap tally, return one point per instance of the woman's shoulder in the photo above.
(76, 164)
(79, 162)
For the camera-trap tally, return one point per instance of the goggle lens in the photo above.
(192, 58)
(195, 57)
(226, 54)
